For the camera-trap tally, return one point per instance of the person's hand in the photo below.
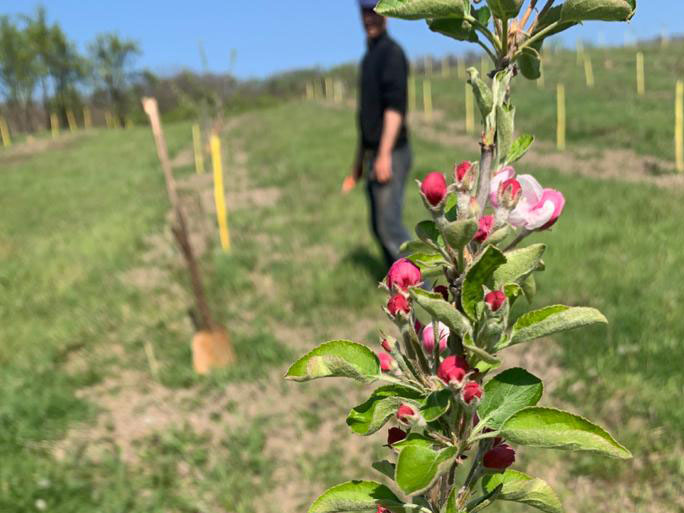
(348, 184)
(383, 167)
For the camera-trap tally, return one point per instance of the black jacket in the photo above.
(383, 85)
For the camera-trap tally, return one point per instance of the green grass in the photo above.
(77, 217)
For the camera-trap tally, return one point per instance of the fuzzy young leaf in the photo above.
(418, 467)
(416, 246)
(337, 358)
(455, 28)
(481, 91)
(519, 148)
(555, 429)
(386, 468)
(414, 439)
(427, 232)
(529, 287)
(479, 273)
(519, 487)
(354, 497)
(553, 319)
(459, 233)
(519, 264)
(530, 62)
(419, 9)
(506, 393)
(441, 310)
(601, 10)
(505, 9)
(436, 405)
(365, 419)
(505, 125)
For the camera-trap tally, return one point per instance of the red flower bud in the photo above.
(382, 510)
(405, 413)
(470, 391)
(499, 458)
(484, 229)
(395, 435)
(464, 176)
(403, 274)
(434, 187)
(495, 299)
(453, 368)
(398, 303)
(462, 169)
(509, 193)
(441, 289)
(388, 345)
(418, 326)
(386, 362)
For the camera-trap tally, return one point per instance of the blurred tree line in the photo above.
(43, 72)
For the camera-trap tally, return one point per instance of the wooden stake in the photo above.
(428, 66)
(580, 52)
(679, 126)
(427, 100)
(588, 71)
(560, 129)
(71, 120)
(5, 133)
(197, 147)
(54, 125)
(337, 91)
(219, 193)
(87, 120)
(640, 76)
(461, 68)
(309, 91)
(412, 93)
(108, 119)
(328, 88)
(469, 110)
(446, 65)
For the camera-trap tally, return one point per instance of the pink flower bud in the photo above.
(510, 192)
(499, 458)
(382, 510)
(434, 187)
(461, 170)
(495, 299)
(398, 303)
(504, 174)
(470, 391)
(395, 435)
(453, 368)
(386, 362)
(388, 345)
(441, 289)
(403, 274)
(428, 337)
(465, 176)
(406, 413)
(484, 229)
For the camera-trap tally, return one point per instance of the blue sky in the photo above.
(275, 35)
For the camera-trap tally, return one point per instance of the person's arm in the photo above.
(391, 126)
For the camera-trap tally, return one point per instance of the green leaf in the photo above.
(480, 353)
(481, 91)
(530, 62)
(519, 264)
(555, 429)
(505, 8)
(505, 126)
(529, 287)
(436, 405)
(353, 497)
(414, 439)
(602, 10)
(519, 148)
(416, 246)
(483, 15)
(365, 419)
(552, 16)
(477, 275)
(459, 233)
(427, 232)
(513, 291)
(553, 319)
(385, 467)
(519, 487)
(455, 28)
(441, 310)
(423, 260)
(418, 467)
(418, 9)
(506, 393)
(337, 358)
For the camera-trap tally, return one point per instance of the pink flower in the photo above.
(538, 208)
(382, 510)
(504, 174)
(509, 193)
(499, 458)
(388, 344)
(453, 368)
(464, 176)
(403, 274)
(434, 187)
(395, 435)
(428, 337)
(398, 303)
(484, 229)
(470, 391)
(495, 299)
(405, 413)
(462, 169)
(386, 362)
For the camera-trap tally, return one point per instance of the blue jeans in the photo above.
(386, 202)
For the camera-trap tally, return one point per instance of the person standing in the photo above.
(383, 152)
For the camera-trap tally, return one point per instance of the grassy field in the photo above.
(92, 286)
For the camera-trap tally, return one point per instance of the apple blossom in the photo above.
(428, 337)
(495, 299)
(403, 274)
(485, 226)
(434, 187)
